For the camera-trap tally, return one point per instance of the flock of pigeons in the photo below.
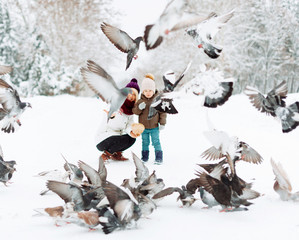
(91, 200)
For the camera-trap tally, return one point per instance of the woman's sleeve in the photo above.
(129, 124)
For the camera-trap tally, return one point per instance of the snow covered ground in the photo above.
(67, 125)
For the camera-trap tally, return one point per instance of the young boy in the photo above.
(153, 125)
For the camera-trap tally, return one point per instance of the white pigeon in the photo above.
(212, 85)
(282, 185)
(204, 32)
(153, 34)
(104, 86)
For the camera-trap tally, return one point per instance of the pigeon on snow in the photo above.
(186, 193)
(275, 105)
(153, 34)
(122, 41)
(12, 107)
(204, 32)
(282, 184)
(126, 211)
(104, 86)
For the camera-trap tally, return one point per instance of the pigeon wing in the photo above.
(92, 175)
(212, 153)
(168, 191)
(281, 176)
(102, 169)
(9, 97)
(5, 69)
(114, 193)
(68, 192)
(248, 154)
(119, 38)
(141, 170)
(100, 81)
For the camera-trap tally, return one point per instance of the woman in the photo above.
(120, 132)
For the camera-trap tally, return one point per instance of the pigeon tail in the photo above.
(214, 101)
(109, 221)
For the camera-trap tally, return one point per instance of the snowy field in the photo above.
(67, 125)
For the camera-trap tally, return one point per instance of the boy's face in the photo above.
(148, 93)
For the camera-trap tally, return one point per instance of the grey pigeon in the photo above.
(72, 193)
(185, 195)
(153, 34)
(6, 170)
(75, 174)
(125, 207)
(219, 186)
(12, 107)
(282, 185)
(5, 69)
(274, 104)
(204, 32)
(122, 41)
(104, 86)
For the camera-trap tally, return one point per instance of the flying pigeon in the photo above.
(6, 170)
(163, 101)
(205, 31)
(274, 104)
(122, 41)
(282, 185)
(104, 86)
(12, 107)
(153, 34)
(5, 69)
(212, 85)
(229, 147)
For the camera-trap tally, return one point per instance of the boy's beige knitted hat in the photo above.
(148, 83)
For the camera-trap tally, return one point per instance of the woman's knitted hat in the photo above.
(134, 84)
(148, 83)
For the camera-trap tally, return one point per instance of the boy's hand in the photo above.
(142, 106)
(161, 127)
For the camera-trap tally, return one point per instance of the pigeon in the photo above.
(72, 193)
(224, 145)
(88, 219)
(282, 185)
(216, 189)
(274, 104)
(125, 207)
(185, 194)
(6, 169)
(122, 41)
(163, 101)
(104, 86)
(212, 85)
(60, 214)
(75, 174)
(12, 107)
(153, 34)
(205, 31)
(56, 175)
(5, 69)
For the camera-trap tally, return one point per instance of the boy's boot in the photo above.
(159, 157)
(144, 155)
